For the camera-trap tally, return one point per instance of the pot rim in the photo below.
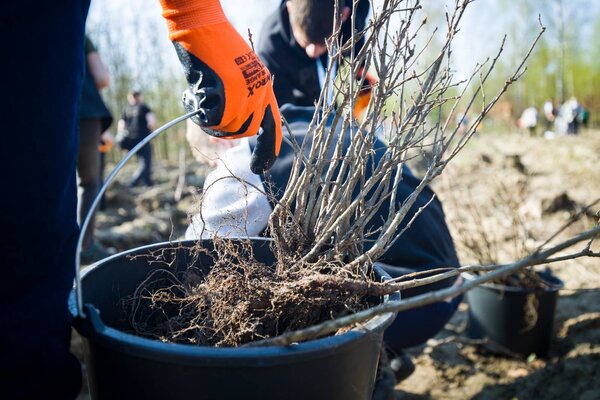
(555, 285)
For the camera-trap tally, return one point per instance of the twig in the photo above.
(571, 221)
(332, 326)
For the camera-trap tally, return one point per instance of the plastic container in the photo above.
(123, 365)
(518, 319)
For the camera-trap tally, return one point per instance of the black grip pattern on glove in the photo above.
(264, 155)
(206, 92)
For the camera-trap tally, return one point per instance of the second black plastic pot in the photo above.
(519, 319)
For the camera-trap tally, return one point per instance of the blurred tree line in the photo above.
(565, 62)
(132, 41)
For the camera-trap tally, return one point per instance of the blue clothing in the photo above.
(425, 245)
(136, 126)
(414, 327)
(42, 67)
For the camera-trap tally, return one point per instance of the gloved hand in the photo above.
(228, 83)
(106, 142)
(364, 95)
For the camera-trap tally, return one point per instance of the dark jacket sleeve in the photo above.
(362, 11)
(282, 83)
(275, 53)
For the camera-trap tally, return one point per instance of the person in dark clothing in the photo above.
(94, 119)
(292, 45)
(43, 69)
(239, 207)
(135, 124)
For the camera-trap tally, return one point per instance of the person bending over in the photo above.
(292, 44)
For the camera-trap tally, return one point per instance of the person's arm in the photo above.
(150, 120)
(229, 87)
(234, 200)
(96, 66)
(121, 125)
(98, 70)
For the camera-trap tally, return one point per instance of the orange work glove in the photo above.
(364, 95)
(229, 85)
(106, 142)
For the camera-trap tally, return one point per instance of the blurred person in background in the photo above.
(572, 114)
(137, 122)
(550, 113)
(529, 120)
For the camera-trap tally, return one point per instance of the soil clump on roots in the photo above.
(240, 300)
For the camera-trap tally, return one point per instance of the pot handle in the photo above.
(111, 176)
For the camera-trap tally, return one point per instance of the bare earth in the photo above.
(538, 173)
(547, 181)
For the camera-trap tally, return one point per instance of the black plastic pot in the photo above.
(518, 319)
(124, 365)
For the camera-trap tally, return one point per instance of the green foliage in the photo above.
(565, 62)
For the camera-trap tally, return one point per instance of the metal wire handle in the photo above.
(111, 176)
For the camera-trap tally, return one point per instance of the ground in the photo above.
(506, 177)
(547, 181)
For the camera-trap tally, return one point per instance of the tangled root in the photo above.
(241, 300)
